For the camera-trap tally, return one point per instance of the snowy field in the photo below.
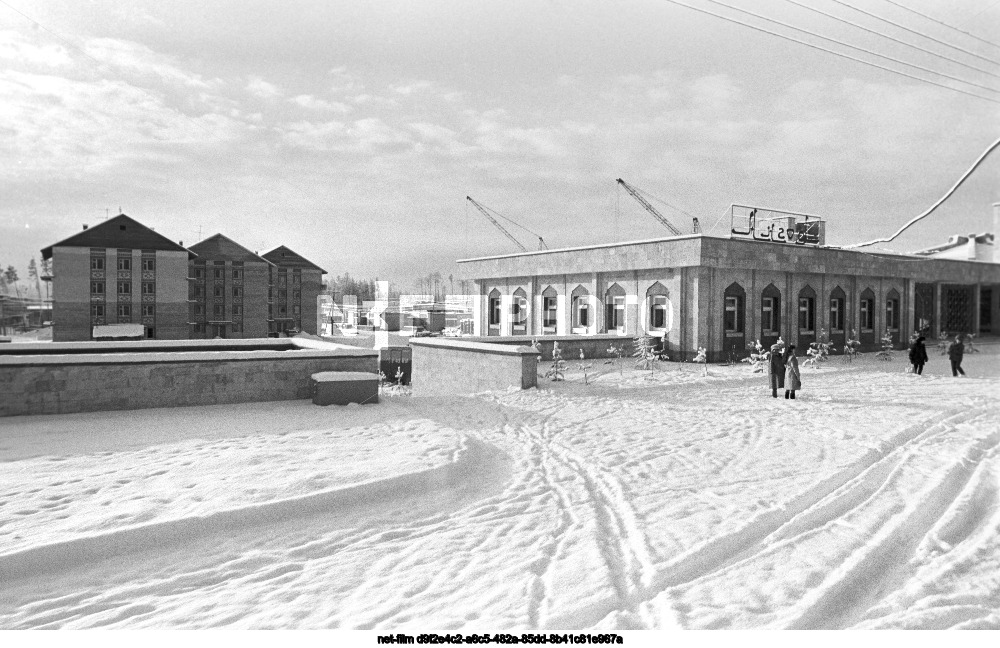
(675, 500)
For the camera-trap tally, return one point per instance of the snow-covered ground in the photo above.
(675, 500)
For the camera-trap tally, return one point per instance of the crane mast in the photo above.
(635, 193)
(485, 212)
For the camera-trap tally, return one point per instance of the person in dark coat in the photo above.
(793, 379)
(918, 355)
(955, 352)
(776, 367)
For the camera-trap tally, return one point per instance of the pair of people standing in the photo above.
(784, 368)
(956, 351)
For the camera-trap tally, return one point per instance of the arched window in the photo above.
(519, 312)
(614, 305)
(494, 307)
(892, 311)
(807, 311)
(837, 301)
(866, 311)
(770, 312)
(734, 314)
(658, 299)
(581, 307)
(550, 310)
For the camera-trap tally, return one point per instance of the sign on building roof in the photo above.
(775, 226)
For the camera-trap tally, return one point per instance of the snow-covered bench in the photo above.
(343, 387)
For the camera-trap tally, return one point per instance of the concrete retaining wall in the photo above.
(443, 367)
(62, 384)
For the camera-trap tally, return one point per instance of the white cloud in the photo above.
(135, 58)
(313, 103)
(364, 135)
(260, 88)
(16, 48)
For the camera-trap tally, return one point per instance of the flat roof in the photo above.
(597, 246)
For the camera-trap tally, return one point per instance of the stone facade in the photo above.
(721, 294)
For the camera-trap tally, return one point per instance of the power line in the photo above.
(942, 23)
(979, 13)
(854, 47)
(913, 31)
(834, 52)
(965, 175)
(892, 38)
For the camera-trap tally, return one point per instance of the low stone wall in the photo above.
(449, 366)
(593, 346)
(86, 382)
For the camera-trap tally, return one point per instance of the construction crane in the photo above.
(637, 194)
(486, 212)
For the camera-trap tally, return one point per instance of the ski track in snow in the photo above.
(681, 501)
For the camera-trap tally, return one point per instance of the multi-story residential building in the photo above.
(119, 272)
(295, 287)
(229, 290)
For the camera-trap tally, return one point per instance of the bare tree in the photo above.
(10, 276)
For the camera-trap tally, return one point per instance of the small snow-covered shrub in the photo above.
(558, 369)
(885, 353)
(583, 367)
(618, 351)
(943, 342)
(702, 357)
(758, 358)
(851, 346)
(818, 350)
(645, 356)
(969, 340)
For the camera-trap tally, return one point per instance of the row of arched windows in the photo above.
(582, 310)
(805, 313)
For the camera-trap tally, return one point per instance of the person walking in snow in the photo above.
(955, 352)
(793, 379)
(918, 355)
(776, 367)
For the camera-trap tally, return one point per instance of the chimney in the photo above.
(180, 243)
(84, 226)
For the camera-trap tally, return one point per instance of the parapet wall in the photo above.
(63, 384)
(448, 366)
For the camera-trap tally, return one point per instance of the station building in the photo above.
(724, 293)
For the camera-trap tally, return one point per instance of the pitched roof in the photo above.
(222, 247)
(282, 256)
(119, 232)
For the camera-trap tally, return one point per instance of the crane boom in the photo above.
(496, 224)
(652, 210)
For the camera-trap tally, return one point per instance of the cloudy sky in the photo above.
(353, 131)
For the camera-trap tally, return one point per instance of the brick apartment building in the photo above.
(229, 290)
(122, 272)
(296, 284)
(118, 272)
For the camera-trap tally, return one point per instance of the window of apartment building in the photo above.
(282, 310)
(219, 310)
(97, 310)
(219, 291)
(199, 273)
(124, 263)
(198, 291)
(270, 311)
(236, 327)
(296, 310)
(96, 287)
(238, 292)
(238, 274)
(96, 263)
(124, 288)
(199, 309)
(148, 264)
(867, 314)
(148, 288)
(282, 295)
(658, 306)
(199, 328)
(148, 310)
(237, 310)
(124, 312)
(219, 273)
(296, 295)
(297, 277)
